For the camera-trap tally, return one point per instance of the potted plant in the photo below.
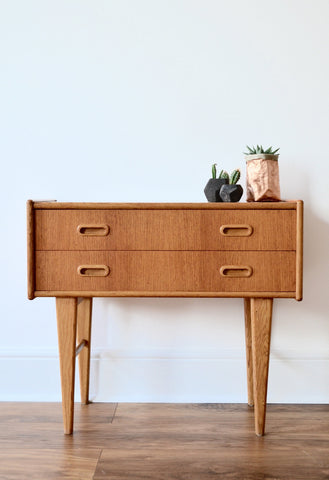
(232, 192)
(262, 174)
(214, 185)
(224, 188)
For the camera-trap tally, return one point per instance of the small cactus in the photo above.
(224, 174)
(213, 170)
(234, 177)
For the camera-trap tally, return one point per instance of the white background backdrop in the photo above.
(133, 100)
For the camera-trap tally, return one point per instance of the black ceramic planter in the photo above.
(231, 193)
(213, 187)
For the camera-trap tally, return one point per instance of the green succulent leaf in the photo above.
(234, 177)
(259, 149)
(224, 174)
(213, 170)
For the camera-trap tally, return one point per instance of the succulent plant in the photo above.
(224, 174)
(214, 170)
(260, 149)
(234, 177)
(223, 188)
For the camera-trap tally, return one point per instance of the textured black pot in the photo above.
(231, 193)
(212, 189)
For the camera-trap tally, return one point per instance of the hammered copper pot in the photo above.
(263, 183)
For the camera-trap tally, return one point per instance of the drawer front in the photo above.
(169, 271)
(165, 230)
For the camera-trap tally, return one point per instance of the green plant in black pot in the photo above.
(214, 185)
(232, 192)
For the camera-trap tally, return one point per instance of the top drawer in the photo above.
(165, 229)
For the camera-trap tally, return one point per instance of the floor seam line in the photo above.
(98, 459)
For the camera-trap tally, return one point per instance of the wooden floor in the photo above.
(163, 441)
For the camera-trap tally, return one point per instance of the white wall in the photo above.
(133, 100)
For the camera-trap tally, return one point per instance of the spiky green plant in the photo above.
(214, 170)
(259, 149)
(234, 177)
(223, 174)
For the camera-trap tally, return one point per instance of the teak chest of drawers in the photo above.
(77, 251)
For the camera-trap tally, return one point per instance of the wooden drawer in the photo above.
(146, 272)
(165, 229)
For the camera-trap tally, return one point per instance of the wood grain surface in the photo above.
(56, 229)
(299, 250)
(84, 318)
(54, 205)
(66, 310)
(261, 322)
(163, 442)
(248, 339)
(165, 229)
(30, 236)
(166, 271)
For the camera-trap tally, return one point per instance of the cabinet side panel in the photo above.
(30, 251)
(299, 251)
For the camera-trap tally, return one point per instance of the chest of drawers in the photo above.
(77, 251)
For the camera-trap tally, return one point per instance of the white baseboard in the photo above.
(165, 376)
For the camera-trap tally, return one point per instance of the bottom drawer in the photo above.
(160, 272)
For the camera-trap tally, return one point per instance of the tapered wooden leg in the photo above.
(66, 309)
(247, 320)
(261, 319)
(84, 334)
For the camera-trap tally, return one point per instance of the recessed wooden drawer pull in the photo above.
(236, 230)
(93, 270)
(235, 271)
(94, 230)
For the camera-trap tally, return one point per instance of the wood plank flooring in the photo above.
(163, 442)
